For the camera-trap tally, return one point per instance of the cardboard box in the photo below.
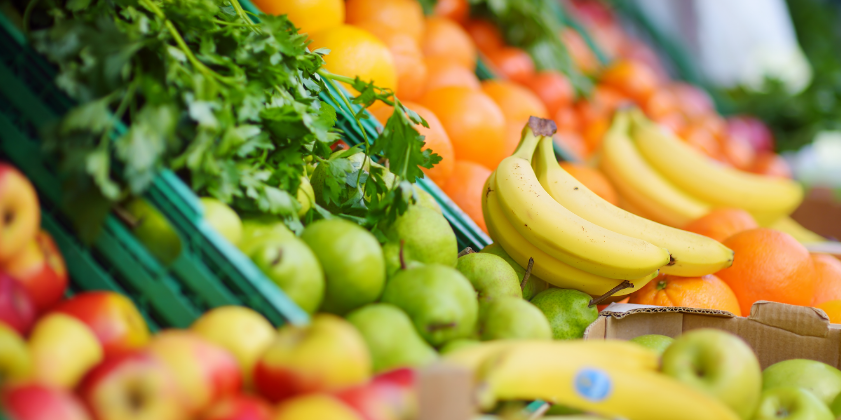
(775, 331)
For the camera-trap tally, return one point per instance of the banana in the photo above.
(692, 254)
(588, 380)
(767, 198)
(640, 185)
(545, 266)
(561, 233)
(804, 236)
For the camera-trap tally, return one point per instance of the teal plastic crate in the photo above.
(210, 272)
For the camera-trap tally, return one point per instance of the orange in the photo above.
(446, 39)
(473, 121)
(567, 119)
(310, 16)
(355, 52)
(435, 139)
(594, 180)
(457, 10)
(465, 188)
(721, 224)
(572, 143)
(769, 265)
(631, 78)
(404, 16)
(516, 102)
(693, 102)
(674, 121)
(702, 140)
(485, 35)
(445, 73)
(511, 63)
(833, 310)
(660, 104)
(707, 292)
(553, 88)
(602, 307)
(771, 164)
(408, 59)
(738, 152)
(513, 133)
(579, 51)
(594, 132)
(828, 278)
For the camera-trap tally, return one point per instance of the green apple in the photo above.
(819, 378)
(534, 284)
(292, 266)
(491, 276)
(790, 403)
(222, 218)
(353, 264)
(568, 311)
(658, 343)
(510, 318)
(154, 231)
(424, 235)
(718, 363)
(836, 406)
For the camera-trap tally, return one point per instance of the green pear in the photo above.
(426, 237)
(490, 276)
(291, 265)
(222, 218)
(391, 337)
(439, 299)
(256, 230)
(352, 259)
(534, 284)
(458, 343)
(508, 317)
(305, 196)
(818, 378)
(425, 199)
(658, 343)
(154, 231)
(567, 310)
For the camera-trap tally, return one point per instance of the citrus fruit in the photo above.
(513, 133)
(594, 132)
(572, 143)
(511, 63)
(581, 54)
(771, 164)
(594, 180)
(674, 121)
(707, 292)
(567, 119)
(516, 102)
(445, 38)
(827, 278)
(632, 78)
(399, 15)
(722, 223)
(441, 72)
(738, 152)
(355, 52)
(693, 102)
(833, 310)
(408, 59)
(660, 103)
(702, 140)
(465, 188)
(457, 10)
(553, 88)
(435, 139)
(473, 121)
(769, 265)
(485, 35)
(310, 16)
(603, 307)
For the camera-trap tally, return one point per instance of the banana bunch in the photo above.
(611, 378)
(664, 179)
(535, 209)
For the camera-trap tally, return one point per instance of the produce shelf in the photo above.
(209, 272)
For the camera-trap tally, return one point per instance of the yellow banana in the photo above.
(788, 225)
(560, 232)
(591, 381)
(692, 254)
(767, 198)
(640, 185)
(545, 266)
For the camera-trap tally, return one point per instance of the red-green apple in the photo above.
(63, 349)
(327, 355)
(33, 401)
(790, 403)
(222, 218)
(718, 363)
(204, 372)
(241, 331)
(133, 386)
(16, 307)
(114, 319)
(388, 396)
(238, 407)
(20, 214)
(15, 360)
(819, 378)
(40, 268)
(315, 406)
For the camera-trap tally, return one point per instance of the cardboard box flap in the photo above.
(621, 310)
(802, 320)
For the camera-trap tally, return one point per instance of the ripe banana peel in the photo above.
(692, 254)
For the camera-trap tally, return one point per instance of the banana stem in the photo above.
(624, 285)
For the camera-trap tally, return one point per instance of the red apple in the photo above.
(389, 396)
(112, 317)
(40, 268)
(20, 214)
(16, 308)
(15, 359)
(63, 350)
(204, 372)
(132, 386)
(238, 407)
(41, 402)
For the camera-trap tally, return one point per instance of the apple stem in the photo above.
(466, 251)
(126, 217)
(624, 285)
(402, 258)
(527, 274)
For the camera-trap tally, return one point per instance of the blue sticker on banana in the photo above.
(593, 384)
